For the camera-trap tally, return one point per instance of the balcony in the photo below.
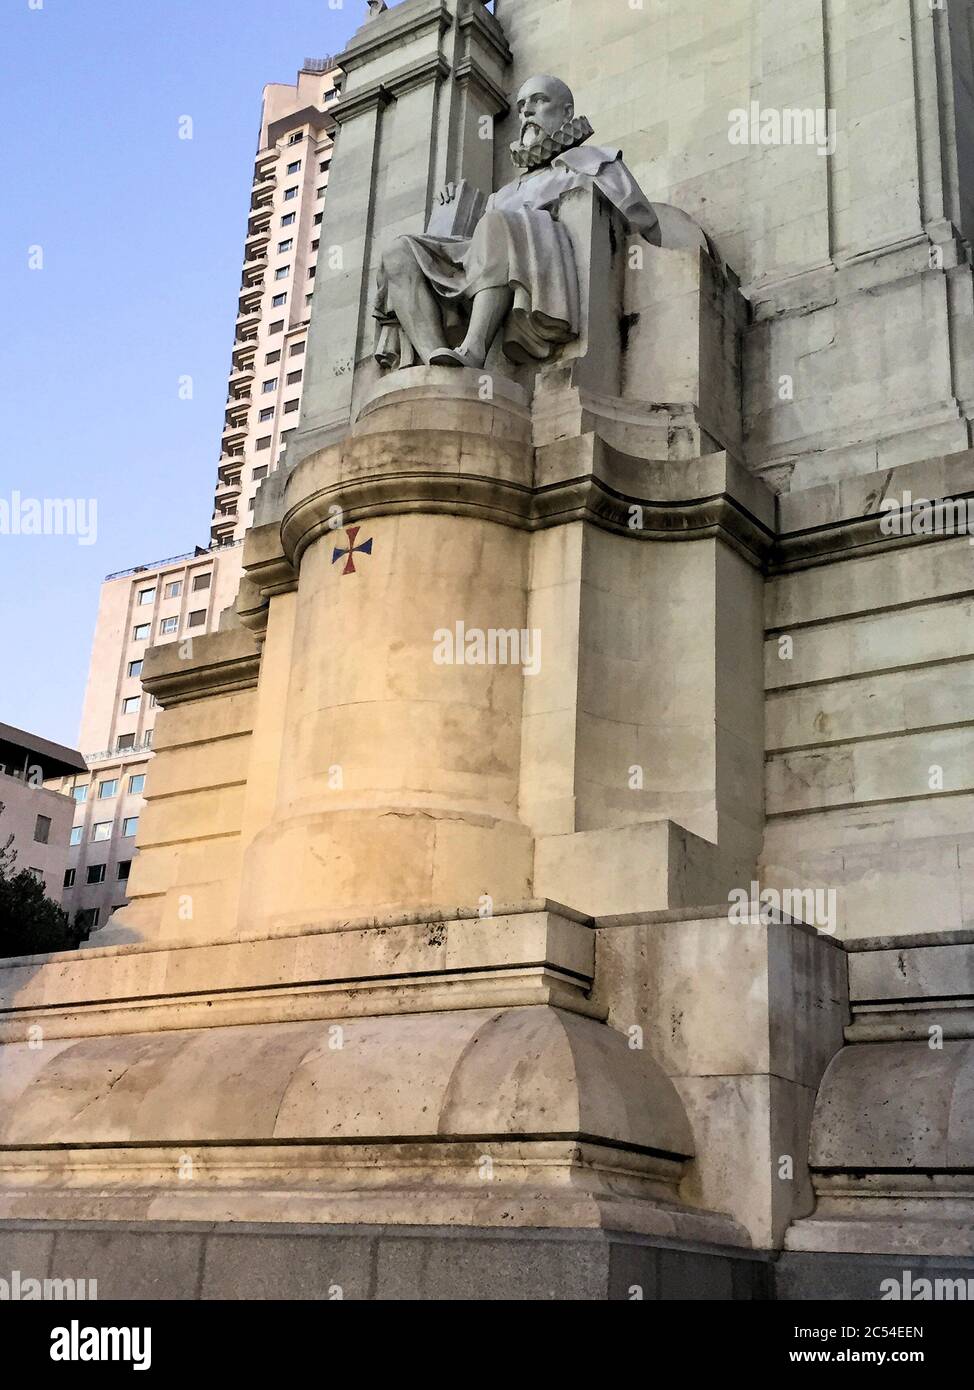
(229, 466)
(258, 231)
(234, 434)
(243, 352)
(222, 525)
(228, 490)
(247, 318)
(241, 375)
(250, 296)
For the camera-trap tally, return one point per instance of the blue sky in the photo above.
(142, 238)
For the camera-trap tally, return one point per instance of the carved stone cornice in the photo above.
(218, 663)
(392, 30)
(469, 70)
(590, 482)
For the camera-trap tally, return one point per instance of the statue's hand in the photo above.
(448, 193)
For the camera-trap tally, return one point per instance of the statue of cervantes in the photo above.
(515, 272)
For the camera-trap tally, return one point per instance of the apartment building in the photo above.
(171, 600)
(36, 819)
(276, 289)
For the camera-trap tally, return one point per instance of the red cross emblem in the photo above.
(364, 549)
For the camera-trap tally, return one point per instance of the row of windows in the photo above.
(295, 189)
(102, 830)
(110, 787)
(294, 350)
(264, 440)
(291, 379)
(288, 219)
(174, 588)
(96, 873)
(141, 632)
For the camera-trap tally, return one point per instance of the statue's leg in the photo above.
(410, 298)
(488, 311)
(491, 303)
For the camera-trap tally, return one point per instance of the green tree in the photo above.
(30, 922)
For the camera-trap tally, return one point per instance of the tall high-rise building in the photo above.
(277, 285)
(175, 599)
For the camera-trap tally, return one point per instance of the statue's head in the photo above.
(544, 104)
(549, 126)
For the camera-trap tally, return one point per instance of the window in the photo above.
(42, 830)
(69, 878)
(197, 618)
(135, 668)
(202, 581)
(316, 243)
(295, 167)
(330, 93)
(126, 741)
(37, 873)
(323, 166)
(291, 406)
(318, 217)
(136, 784)
(279, 299)
(266, 414)
(75, 836)
(96, 873)
(320, 193)
(296, 138)
(124, 866)
(81, 793)
(277, 326)
(130, 705)
(294, 377)
(290, 193)
(311, 271)
(169, 625)
(106, 789)
(146, 596)
(147, 738)
(295, 349)
(260, 472)
(285, 245)
(251, 503)
(308, 297)
(102, 830)
(274, 356)
(288, 219)
(263, 442)
(140, 633)
(282, 272)
(269, 384)
(88, 917)
(173, 589)
(129, 826)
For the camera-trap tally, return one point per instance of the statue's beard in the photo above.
(544, 146)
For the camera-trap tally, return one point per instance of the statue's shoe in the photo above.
(447, 357)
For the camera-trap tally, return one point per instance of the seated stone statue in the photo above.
(516, 273)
